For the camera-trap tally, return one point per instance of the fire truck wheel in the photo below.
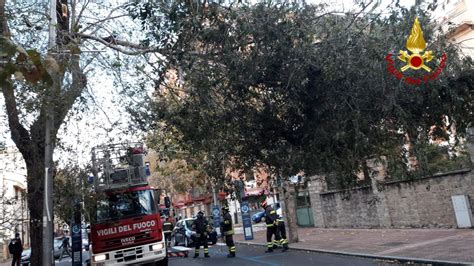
(163, 262)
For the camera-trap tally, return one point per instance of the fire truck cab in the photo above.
(127, 228)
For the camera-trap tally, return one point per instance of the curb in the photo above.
(372, 256)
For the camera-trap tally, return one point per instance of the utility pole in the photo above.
(48, 154)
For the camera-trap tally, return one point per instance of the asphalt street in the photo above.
(67, 261)
(255, 255)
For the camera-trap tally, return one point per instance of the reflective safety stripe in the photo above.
(230, 232)
(206, 250)
(272, 212)
(232, 248)
(269, 244)
(269, 225)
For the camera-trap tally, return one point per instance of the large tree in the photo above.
(34, 78)
(297, 88)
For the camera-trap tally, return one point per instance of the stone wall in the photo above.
(350, 209)
(419, 203)
(423, 202)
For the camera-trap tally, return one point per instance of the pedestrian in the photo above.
(282, 233)
(272, 222)
(200, 226)
(228, 231)
(65, 248)
(16, 248)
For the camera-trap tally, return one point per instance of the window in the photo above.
(125, 205)
(189, 223)
(18, 192)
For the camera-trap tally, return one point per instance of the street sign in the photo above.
(216, 214)
(76, 244)
(246, 220)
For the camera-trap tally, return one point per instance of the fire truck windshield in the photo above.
(125, 205)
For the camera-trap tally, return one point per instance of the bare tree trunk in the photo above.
(35, 204)
(288, 193)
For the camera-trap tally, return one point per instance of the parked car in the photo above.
(257, 217)
(85, 239)
(212, 236)
(26, 254)
(183, 235)
(25, 257)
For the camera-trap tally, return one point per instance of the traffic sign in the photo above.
(216, 213)
(246, 221)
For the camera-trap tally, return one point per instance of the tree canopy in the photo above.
(47, 72)
(298, 88)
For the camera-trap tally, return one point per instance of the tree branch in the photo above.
(117, 45)
(79, 82)
(19, 134)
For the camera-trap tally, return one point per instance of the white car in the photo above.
(25, 257)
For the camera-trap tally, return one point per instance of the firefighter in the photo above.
(228, 231)
(272, 223)
(201, 227)
(282, 233)
(167, 229)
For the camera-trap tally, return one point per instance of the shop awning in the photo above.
(257, 191)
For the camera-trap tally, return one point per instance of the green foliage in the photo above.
(435, 159)
(71, 186)
(298, 89)
(174, 175)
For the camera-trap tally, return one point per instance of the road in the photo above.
(67, 261)
(255, 255)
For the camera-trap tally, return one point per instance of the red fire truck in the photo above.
(127, 229)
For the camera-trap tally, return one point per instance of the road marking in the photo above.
(269, 255)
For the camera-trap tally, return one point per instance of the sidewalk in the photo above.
(455, 245)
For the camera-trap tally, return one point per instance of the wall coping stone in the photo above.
(437, 175)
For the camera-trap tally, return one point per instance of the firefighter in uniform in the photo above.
(282, 233)
(228, 231)
(167, 229)
(272, 223)
(201, 226)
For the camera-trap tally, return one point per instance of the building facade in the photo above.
(13, 203)
(457, 17)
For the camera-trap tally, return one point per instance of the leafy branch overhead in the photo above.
(298, 88)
